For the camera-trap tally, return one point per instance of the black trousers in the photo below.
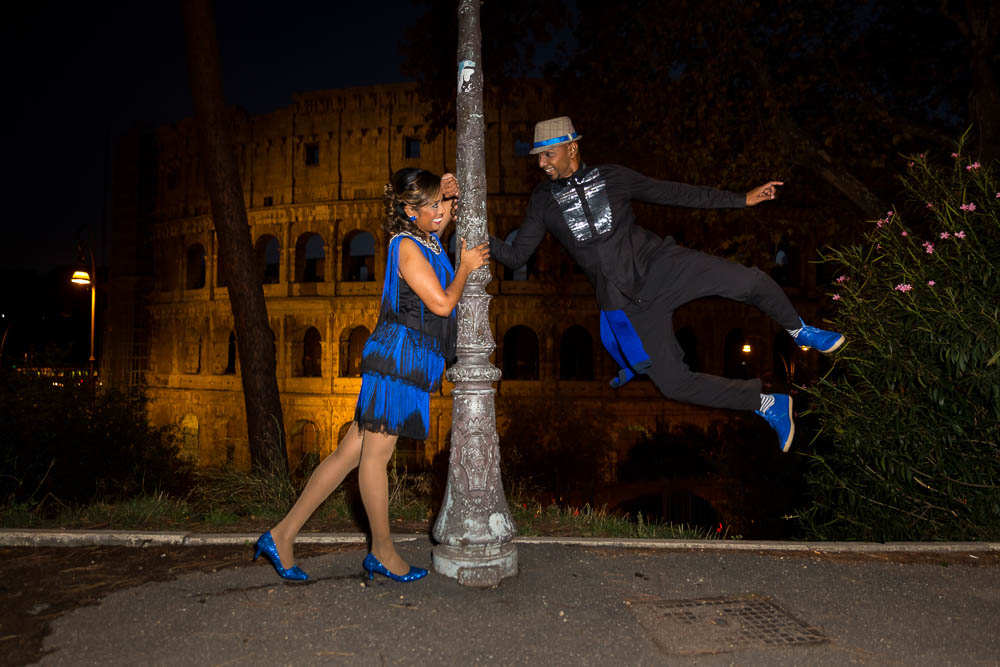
(680, 275)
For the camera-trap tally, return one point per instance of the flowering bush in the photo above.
(910, 413)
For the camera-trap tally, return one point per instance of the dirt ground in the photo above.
(39, 584)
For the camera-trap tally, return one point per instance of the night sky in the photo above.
(82, 74)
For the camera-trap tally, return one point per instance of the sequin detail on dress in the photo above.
(584, 205)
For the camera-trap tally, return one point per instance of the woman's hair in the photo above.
(408, 187)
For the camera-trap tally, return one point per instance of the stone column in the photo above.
(474, 528)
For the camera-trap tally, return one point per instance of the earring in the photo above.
(413, 218)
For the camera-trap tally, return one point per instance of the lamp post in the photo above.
(82, 277)
(474, 529)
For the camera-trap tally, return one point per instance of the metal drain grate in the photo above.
(720, 625)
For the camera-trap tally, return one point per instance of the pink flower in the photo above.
(842, 279)
(890, 214)
(998, 195)
(909, 165)
(945, 235)
(929, 247)
(970, 207)
(931, 283)
(960, 234)
(922, 155)
(878, 246)
(930, 205)
(836, 297)
(954, 154)
(881, 223)
(903, 233)
(974, 165)
(903, 287)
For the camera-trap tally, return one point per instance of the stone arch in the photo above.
(195, 267)
(304, 439)
(268, 255)
(190, 437)
(312, 353)
(576, 354)
(358, 260)
(520, 353)
(352, 344)
(689, 345)
(310, 258)
(688, 508)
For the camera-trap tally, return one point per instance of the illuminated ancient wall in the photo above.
(312, 176)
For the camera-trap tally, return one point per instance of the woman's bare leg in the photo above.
(324, 480)
(376, 450)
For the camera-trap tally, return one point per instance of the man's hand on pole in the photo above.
(765, 192)
(449, 186)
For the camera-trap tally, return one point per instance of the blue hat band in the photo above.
(556, 140)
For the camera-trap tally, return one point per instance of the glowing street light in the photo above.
(746, 348)
(82, 277)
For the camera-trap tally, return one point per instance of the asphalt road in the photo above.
(568, 605)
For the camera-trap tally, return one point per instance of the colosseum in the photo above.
(312, 175)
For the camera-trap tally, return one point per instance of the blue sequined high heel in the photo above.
(266, 546)
(373, 565)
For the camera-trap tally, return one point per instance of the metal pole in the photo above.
(474, 528)
(90, 362)
(93, 311)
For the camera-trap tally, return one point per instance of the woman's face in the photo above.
(433, 217)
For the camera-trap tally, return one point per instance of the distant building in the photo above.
(312, 177)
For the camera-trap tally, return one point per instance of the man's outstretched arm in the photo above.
(529, 235)
(670, 193)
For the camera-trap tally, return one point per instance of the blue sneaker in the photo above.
(779, 416)
(819, 339)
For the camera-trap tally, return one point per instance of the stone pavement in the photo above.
(573, 602)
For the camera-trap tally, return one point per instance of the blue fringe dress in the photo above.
(404, 358)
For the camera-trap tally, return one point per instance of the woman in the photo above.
(402, 362)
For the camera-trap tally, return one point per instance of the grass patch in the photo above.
(556, 520)
(231, 500)
(18, 515)
(157, 511)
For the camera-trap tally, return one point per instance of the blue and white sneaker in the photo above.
(779, 415)
(818, 339)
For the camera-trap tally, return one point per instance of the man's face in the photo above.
(559, 161)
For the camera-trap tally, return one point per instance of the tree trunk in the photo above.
(265, 424)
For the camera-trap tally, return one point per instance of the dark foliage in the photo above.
(912, 411)
(59, 444)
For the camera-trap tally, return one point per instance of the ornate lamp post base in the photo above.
(478, 567)
(474, 528)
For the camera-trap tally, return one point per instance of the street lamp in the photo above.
(82, 277)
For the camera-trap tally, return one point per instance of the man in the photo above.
(641, 279)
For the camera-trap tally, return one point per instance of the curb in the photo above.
(131, 538)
